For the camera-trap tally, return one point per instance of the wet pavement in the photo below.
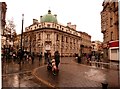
(72, 74)
(21, 80)
(14, 67)
(19, 76)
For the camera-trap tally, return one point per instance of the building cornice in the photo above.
(46, 29)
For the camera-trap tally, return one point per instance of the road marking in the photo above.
(40, 79)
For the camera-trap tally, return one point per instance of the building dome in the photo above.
(49, 17)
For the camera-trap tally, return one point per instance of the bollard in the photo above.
(104, 85)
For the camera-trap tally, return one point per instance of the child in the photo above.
(53, 65)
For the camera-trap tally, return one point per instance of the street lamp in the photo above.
(21, 40)
(22, 30)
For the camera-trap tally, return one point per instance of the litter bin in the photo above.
(104, 85)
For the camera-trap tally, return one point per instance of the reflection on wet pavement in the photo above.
(14, 67)
(15, 75)
(71, 74)
(95, 75)
(21, 80)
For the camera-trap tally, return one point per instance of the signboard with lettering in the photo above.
(114, 44)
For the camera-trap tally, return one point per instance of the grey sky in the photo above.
(84, 13)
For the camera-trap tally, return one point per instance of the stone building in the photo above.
(49, 35)
(85, 43)
(3, 8)
(109, 28)
(96, 47)
(3, 15)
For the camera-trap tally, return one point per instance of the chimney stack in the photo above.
(74, 27)
(55, 15)
(69, 24)
(41, 18)
(35, 21)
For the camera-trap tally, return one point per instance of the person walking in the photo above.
(57, 58)
(20, 54)
(40, 57)
(46, 57)
(14, 56)
(32, 57)
(79, 59)
(49, 57)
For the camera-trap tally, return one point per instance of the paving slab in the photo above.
(72, 74)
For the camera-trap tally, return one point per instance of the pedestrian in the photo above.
(76, 56)
(40, 57)
(79, 59)
(14, 56)
(11, 53)
(32, 57)
(46, 57)
(49, 57)
(25, 55)
(3, 55)
(20, 54)
(57, 58)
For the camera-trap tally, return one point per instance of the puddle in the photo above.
(95, 75)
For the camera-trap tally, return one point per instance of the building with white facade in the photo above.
(49, 35)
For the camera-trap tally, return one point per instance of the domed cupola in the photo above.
(49, 17)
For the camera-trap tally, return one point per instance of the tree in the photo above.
(10, 31)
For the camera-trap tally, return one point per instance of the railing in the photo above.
(102, 65)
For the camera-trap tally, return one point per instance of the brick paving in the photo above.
(72, 74)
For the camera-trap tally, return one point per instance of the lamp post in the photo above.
(22, 30)
(21, 52)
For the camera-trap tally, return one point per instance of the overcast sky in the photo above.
(84, 13)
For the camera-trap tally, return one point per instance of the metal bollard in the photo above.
(104, 85)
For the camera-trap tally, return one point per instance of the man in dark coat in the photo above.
(79, 59)
(40, 57)
(32, 56)
(57, 58)
(20, 54)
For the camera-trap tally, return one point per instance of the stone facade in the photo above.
(109, 24)
(85, 42)
(3, 8)
(96, 47)
(48, 35)
(3, 15)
